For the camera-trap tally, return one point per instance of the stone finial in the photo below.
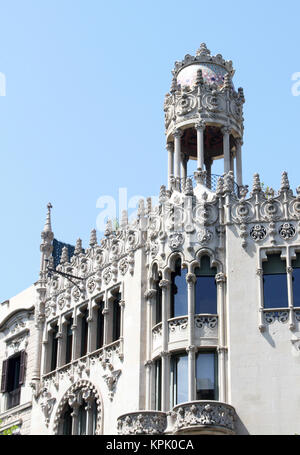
(93, 238)
(228, 182)
(199, 78)
(148, 205)
(256, 184)
(203, 50)
(200, 176)
(285, 184)
(141, 208)
(124, 219)
(108, 228)
(227, 81)
(47, 227)
(78, 247)
(64, 255)
(174, 85)
(220, 187)
(162, 194)
(188, 188)
(241, 94)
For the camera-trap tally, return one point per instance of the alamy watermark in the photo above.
(296, 85)
(2, 84)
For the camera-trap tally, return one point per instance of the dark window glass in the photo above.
(275, 282)
(205, 288)
(206, 376)
(296, 281)
(116, 318)
(69, 341)
(82, 419)
(13, 379)
(178, 291)
(100, 325)
(67, 421)
(179, 379)
(54, 348)
(158, 302)
(158, 385)
(84, 333)
(95, 415)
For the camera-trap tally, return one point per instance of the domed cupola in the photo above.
(203, 117)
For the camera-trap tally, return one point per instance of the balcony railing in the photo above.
(197, 417)
(211, 182)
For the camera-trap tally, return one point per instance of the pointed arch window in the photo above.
(179, 305)
(158, 295)
(205, 288)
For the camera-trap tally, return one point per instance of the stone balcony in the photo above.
(197, 417)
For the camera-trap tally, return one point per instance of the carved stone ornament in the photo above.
(176, 240)
(204, 236)
(123, 266)
(142, 422)
(91, 285)
(287, 231)
(111, 380)
(47, 404)
(258, 232)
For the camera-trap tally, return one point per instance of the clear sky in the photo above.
(82, 115)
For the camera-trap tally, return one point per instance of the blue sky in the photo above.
(83, 111)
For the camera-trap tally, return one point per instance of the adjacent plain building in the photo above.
(184, 321)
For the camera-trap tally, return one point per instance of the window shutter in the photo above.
(22, 367)
(4, 375)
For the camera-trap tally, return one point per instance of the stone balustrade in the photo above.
(142, 422)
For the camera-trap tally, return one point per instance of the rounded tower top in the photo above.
(213, 68)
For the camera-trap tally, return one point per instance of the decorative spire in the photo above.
(188, 189)
(203, 50)
(141, 208)
(124, 219)
(220, 186)
(64, 255)
(199, 78)
(108, 229)
(228, 182)
(200, 176)
(227, 81)
(256, 184)
(162, 194)
(93, 238)
(285, 184)
(174, 85)
(78, 247)
(47, 227)
(149, 205)
(241, 94)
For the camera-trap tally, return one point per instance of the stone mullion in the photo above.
(239, 174)
(192, 349)
(222, 349)
(91, 327)
(261, 323)
(177, 152)
(289, 272)
(226, 149)
(75, 337)
(105, 313)
(60, 344)
(122, 306)
(200, 127)
(45, 350)
(165, 361)
(170, 149)
(150, 297)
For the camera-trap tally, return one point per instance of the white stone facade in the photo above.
(114, 337)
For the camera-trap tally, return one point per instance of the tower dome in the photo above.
(203, 117)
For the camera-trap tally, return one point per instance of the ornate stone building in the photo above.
(185, 321)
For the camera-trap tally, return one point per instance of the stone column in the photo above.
(226, 148)
(221, 280)
(289, 272)
(122, 308)
(89, 398)
(170, 149)
(165, 361)
(177, 152)
(73, 402)
(191, 350)
(200, 127)
(39, 324)
(239, 172)
(184, 160)
(150, 296)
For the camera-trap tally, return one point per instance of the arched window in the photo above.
(205, 288)
(178, 291)
(275, 282)
(100, 324)
(116, 317)
(67, 420)
(296, 280)
(158, 295)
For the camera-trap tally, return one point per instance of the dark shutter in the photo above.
(4, 375)
(22, 367)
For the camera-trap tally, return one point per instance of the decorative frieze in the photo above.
(142, 422)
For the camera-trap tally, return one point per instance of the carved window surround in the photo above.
(288, 314)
